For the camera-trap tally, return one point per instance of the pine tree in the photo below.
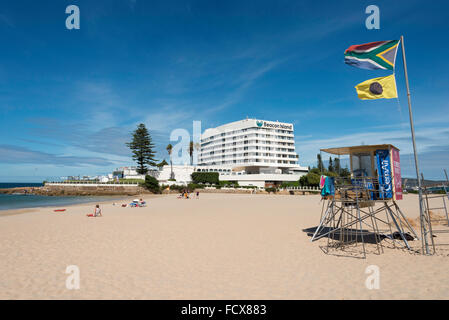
(320, 163)
(330, 168)
(142, 148)
(337, 165)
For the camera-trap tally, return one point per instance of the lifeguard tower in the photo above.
(362, 209)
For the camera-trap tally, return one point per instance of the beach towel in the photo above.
(322, 181)
(328, 188)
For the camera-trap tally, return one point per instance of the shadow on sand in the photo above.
(355, 235)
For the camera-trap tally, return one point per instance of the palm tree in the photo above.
(191, 148)
(169, 150)
(197, 147)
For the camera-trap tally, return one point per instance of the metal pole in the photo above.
(412, 128)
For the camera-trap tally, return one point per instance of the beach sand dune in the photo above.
(222, 246)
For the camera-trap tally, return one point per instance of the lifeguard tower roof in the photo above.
(354, 149)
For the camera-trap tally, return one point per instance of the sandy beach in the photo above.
(221, 246)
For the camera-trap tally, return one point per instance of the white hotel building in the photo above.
(253, 152)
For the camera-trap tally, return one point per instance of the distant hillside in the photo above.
(410, 182)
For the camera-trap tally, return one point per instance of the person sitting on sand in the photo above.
(98, 211)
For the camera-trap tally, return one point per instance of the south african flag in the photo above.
(373, 55)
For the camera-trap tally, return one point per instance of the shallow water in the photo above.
(13, 201)
(7, 185)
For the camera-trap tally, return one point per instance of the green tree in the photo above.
(331, 174)
(320, 162)
(331, 165)
(345, 173)
(313, 179)
(161, 164)
(152, 184)
(337, 165)
(169, 149)
(205, 177)
(142, 148)
(303, 181)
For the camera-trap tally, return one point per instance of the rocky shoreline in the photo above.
(121, 191)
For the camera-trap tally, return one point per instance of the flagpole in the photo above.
(412, 128)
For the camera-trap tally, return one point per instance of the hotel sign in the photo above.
(273, 125)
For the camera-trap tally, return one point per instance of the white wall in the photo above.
(259, 184)
(262, 177)
(182, 174)
(137, 176)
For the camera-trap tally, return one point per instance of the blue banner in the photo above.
(384, 173)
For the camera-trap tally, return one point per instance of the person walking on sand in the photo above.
(197, 194)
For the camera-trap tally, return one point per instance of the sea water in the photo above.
(22, 201)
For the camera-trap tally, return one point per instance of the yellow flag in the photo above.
(378, 88)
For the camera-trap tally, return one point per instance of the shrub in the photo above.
(192, 186)
(271, 189)
(151, 184)
(313, 179)
(132, 180)
(290, 184)
(229, 184)
(177, 187)
(330, 174)
(205, 177)
(303, 181)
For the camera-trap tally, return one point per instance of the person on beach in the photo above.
(197, 194)
(98, 211)
(142, 203)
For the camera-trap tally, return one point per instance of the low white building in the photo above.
(127, 173)
(182, 174)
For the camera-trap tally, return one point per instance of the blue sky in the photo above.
(70, 98)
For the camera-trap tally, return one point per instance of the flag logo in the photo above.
(373, 55)
(377, 88)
